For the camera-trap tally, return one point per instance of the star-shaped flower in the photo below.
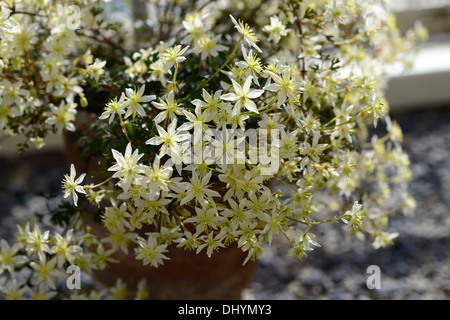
(72, 186)
(242, 95)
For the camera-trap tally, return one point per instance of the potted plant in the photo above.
(244, 122)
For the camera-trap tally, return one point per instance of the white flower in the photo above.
(173, 55)
(9, 258)
(276, 29)
(156, 177)
(170, 106)
(198, 121)
(195, 28)
(158, 72)
(384, 239)
(243, 94)
(197, 188)
(206, 218)
(150, 252)
(246, 32)
(207, 46)
(64, 115)
(7, 112)
(211, 243)
(313, 150)
(12, 92)
(127, 167)
(354, 216)
(134, 99)
(285, 85)
(251, 63)
(344, 127)
(337, 12)
(64, 250)
(71, 185)
(169, 139)
(37, 242)
(224, 147)
(211, 103)
(114, 107)
(95, 70)
(45, 272)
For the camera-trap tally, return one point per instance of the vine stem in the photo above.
(311, 223)
(98, 185)
(122, 124)
(230, 57)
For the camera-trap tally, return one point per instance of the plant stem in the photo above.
(122, 124)
(310, 223)
(98, 185)
(230, 57)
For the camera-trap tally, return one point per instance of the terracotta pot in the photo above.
(186, 275)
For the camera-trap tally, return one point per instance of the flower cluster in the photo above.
(231, 132)
(38, 264)
(47, 63)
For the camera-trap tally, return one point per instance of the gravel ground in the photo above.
(417, 266)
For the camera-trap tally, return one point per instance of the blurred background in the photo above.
(417, 266)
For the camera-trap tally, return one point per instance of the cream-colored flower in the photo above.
(242, 95)
(133, 101)
(247, 32)
(150, 252)
(71, 185)
(276, 29)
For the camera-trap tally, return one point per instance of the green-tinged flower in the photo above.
(102, 257)
(43, 293)
(303, 243)
(169, 140)
(171, 108)
(9, 259)
(247, 32)
(276, 29)
(286, 86)
(208, 46)
(63, 116)
(37, 243)
(114, 107)
(252, 65)
(133, 101)
(142, 290)
(211, 243)
(71, 185)
(243, 95)
(198, 188)
(12, 290)
(116, 218)
(205, 219)
(120, 240)
(119, 291)
(95, 70)
(127, 167)
(384, 239)
(46, 272)
(353, 218)
(173, 55)
(150, 252)
(195, 27)
(64, 249)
